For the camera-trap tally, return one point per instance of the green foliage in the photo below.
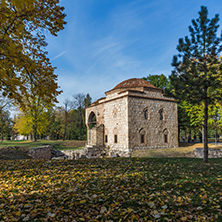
(196, 114)
(5, 124)
(5, 120)
(159, 81)
(196, 77)
(68, 122)
(87, 100)
(197, 74)
(131, 189)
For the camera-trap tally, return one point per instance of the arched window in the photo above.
(146, 114)
(106, 135)
(92, 120)
(115, 133)
(142, 138)
(161, 114)
(115, 139)
(165, 136)
(106, 138)
(142, 135)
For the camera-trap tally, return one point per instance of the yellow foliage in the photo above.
(24, 68)
(25, 121)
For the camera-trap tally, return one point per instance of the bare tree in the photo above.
(68, 105)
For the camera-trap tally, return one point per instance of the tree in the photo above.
(81, 101)
(216, 119)
(79, 105)
(33, 121)
(5, 120)
(22, 46)
(68, 105)
(5, 124)
(55, 126)
(159, 81)
(196, 76)
(87, 100)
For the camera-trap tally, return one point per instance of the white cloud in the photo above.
(59, 55)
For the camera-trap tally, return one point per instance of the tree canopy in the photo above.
(24, 67)
(197, 67)
(159, 81)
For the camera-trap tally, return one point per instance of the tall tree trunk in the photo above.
(80, 121)
(35, 132)
(64, 135)
(216, 119)
(205, 158)
(34, 126)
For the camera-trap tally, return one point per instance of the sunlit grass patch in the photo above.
(185, 150)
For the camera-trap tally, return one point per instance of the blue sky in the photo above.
(108, 41)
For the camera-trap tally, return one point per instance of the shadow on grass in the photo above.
(14, 153)
(14, 150)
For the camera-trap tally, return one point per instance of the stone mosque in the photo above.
(133, 115)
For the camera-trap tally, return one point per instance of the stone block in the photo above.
(44, 152)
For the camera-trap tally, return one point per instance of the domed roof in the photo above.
(131, 83)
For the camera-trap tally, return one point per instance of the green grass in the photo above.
(113, 189)
(57, 144)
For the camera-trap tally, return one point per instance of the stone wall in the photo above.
(96, 136)
(156, 133)
(47, 152)
(88, 152)
(43, 152)
(212, 152)
(125, 128)
(113, 115)
(75, 154)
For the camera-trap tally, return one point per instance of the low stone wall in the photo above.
(47, 152)
(43, 152)
(119, 153)
(95, 152)
(75, 154)
(212, 152)
(88, 152)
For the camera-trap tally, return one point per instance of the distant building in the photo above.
(133, 115)
(20, 137)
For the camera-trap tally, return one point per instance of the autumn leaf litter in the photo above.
(118, 189)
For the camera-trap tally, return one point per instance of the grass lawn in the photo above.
(112, 189)
(185, 150)
(57, 144)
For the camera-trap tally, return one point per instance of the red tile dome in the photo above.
(131, 83)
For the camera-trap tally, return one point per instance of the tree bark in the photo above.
(64, 135)
(205, 158)
(35, 132)
(216, 119)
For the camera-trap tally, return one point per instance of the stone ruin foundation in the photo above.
(47, 152)
(212, 152)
